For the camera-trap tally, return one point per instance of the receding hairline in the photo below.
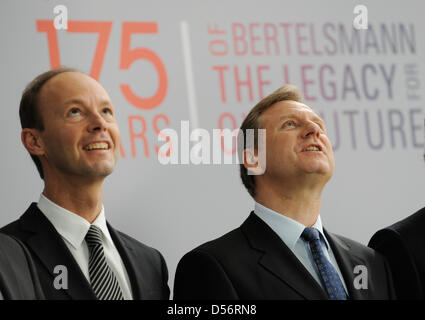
(50, 85)
(59, 75)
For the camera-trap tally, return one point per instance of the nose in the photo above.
(311, 129)
(97, 123)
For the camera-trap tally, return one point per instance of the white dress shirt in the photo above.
(73, 230)
(290, 232)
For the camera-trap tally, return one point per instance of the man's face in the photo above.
(80, 136)
(296, 142)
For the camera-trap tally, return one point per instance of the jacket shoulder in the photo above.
(136, 244)
(404, 232)
(16, 228)
(11, 228)
(359, 248)
(411, 223)
(149, 255)
(223, 245)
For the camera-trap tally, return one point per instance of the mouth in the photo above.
(312, 147)
(99, 145)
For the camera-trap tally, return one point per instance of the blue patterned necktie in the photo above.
(328, 274)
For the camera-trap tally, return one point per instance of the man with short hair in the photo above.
(69, 128)
(282, 251)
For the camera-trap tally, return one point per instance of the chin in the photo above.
(318, 167)
(99, 171)
(106, 171)
(322, 170)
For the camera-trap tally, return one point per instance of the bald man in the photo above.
(70, 130)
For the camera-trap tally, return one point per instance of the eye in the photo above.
(74, 112)
(108, 111)
(289, 124)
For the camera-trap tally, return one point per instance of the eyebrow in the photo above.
(81, 102)
(293, 115)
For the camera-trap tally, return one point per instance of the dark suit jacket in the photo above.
(18, 276)
(403, 244)
(252, 262)
(145, 266)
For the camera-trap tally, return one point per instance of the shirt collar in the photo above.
(318, 226)
(289, 230)
(69, 225)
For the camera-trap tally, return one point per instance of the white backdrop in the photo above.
(209, 62)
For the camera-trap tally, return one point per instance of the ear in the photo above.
(252, 163)
(32, 141)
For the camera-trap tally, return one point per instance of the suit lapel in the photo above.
(279, 260)
(346, 260)
(129, 259)
(46, 243)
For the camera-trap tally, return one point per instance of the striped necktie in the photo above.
(328, 273)
(103, 281)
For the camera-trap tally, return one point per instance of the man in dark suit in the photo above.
(281, 251)
(18, 276)
(403, 245)
(69, 128)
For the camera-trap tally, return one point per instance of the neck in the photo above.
(299, 203)
(80, 196)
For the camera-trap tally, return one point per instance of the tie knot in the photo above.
(94, 236)
(310, 234)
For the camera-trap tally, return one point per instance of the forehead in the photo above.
(287, 108)
(69, 85)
